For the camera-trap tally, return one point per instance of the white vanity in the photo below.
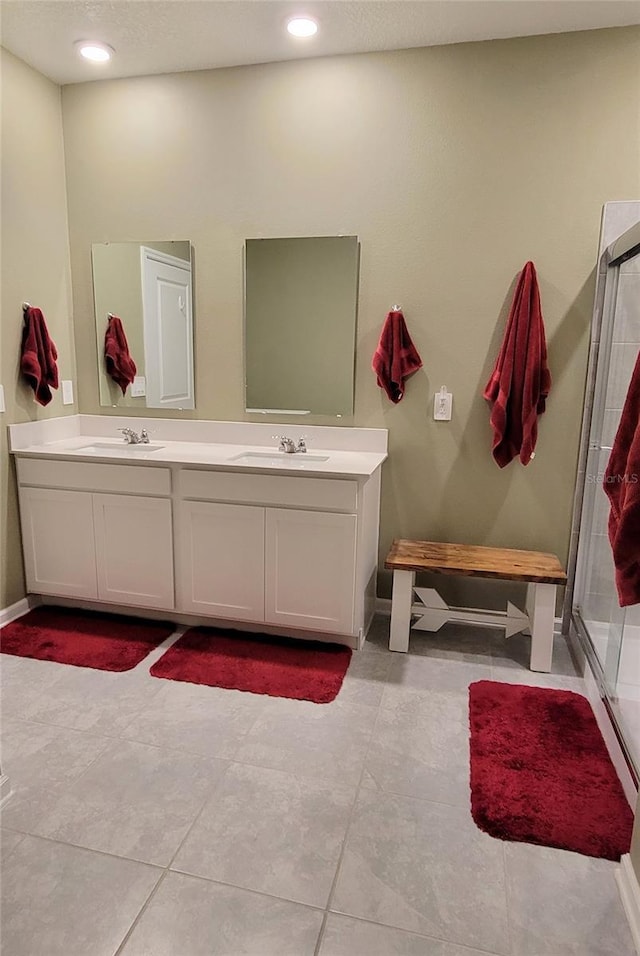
(209, 523)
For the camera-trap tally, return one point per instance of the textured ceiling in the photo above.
(165, 36)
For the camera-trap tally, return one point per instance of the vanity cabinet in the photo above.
(84, 544)
(290, 552)
(273, 549)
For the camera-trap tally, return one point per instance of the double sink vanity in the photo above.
(206, 522)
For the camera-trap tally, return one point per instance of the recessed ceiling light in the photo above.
(95, 51)
(302, 27)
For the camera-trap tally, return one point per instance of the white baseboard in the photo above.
(630, 895)
(616, 753)
(5, 788)
(16, 610)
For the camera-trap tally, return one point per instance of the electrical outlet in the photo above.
(67, 391)
(138, 386)
(442, 405)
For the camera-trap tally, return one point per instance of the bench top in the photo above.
(473, 561)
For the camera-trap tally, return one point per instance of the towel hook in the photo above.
(396, 308)
(26, 305)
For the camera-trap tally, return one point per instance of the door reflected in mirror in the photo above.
(145, 359)
(301, 297)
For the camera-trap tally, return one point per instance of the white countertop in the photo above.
(338, 463)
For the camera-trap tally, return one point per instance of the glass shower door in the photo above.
(609, 633)
(596, 601)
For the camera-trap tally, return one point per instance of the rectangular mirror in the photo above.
(301, 298)
(148, 286)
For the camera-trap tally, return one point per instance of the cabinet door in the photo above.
(222, 560)
(58, 542)
(310, 576)
(134, 548)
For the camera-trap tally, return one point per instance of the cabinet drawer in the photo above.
(87, 476)
(324, 493)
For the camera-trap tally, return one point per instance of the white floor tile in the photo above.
(420, 747)
(9, 840)
(134, 801)
(99, 702)
(59, 900)
(564, 904)
(324, 741)
(410, 672)
(200, 720)
(192, 917)
(270, 831)
(23, 682)
(42, 762)
(425, 868)
(344, 936)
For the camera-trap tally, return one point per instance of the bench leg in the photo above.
(401, 600)
(541, 607)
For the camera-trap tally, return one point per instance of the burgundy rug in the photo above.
(279, 667)
(107, 642)
(541, 773)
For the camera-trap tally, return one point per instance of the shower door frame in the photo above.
(625, 247)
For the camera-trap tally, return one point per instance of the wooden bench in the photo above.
(541, 572)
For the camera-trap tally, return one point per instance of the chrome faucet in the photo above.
(288, 446)
(132, 438)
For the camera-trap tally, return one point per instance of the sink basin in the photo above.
(280, 459)
(120, 448)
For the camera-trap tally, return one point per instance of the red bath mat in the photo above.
(279, 667)
(106, 642)
(541, 773)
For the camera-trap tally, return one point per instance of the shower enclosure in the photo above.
(608, 634)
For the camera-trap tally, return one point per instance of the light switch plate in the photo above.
(442, 404)
(67, 391)
(3, 407)
(138, 386)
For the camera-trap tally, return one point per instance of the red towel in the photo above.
(120, 365)
(520, 382)
(622, 486)
(38, 356)
(396, 356)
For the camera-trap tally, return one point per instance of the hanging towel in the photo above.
(520, 382)
(120, 365)
(38, 356)
(396, 356)
(622, 486)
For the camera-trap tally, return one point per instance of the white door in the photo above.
(222, 560)
(168, 330)
(134, 548)
(310, 576)
(58, 542)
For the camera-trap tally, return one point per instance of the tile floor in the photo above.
(153, 818)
